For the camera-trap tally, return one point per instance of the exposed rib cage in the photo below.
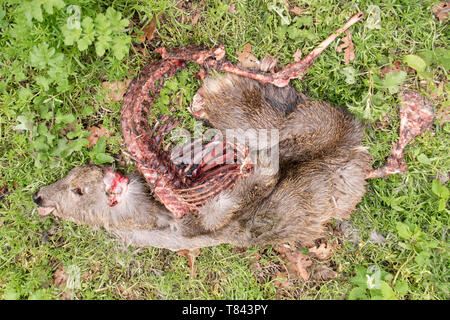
(181, 188)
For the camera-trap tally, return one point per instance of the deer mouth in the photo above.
(45, 211)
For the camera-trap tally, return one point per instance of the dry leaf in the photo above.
(247, 59)
(60, 277)
(323, 272)
(298, 55)
(190, 255)
(395, 69)
(116, 89)
(441, 11)
(149, 30)
(232, 8)
(349, 54)
(196, 17)
(296, 10)
(322, 252)
(281, 279)
(96, 133)
(297, 262)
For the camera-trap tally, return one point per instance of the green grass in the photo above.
(404, 208)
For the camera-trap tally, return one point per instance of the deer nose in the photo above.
(37, 199)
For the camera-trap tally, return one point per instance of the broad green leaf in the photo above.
(427, 55)
(357, 293)
(360, 278)
(403, 230)
(415, 62)
(402, 288)
(423, 258)
(387, 292)
(436, 187)
(100, 146)
(64, 118)
(442, 204)
(76, 145)
(102, 158)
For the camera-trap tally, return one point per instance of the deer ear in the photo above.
(116, 187)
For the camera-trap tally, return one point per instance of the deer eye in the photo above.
(77, 191)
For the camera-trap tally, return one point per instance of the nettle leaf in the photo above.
(50, 4)
(44, 113)
(40, 144)
(394, 80)
(66, 148)
(87, 111)
(423, 258)
(79, 133)
(43, 131)
(349, 74)
(64, 118)
(360, 278)
(76, 145)
(415, 62)
(100, 146)
(306, 21)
